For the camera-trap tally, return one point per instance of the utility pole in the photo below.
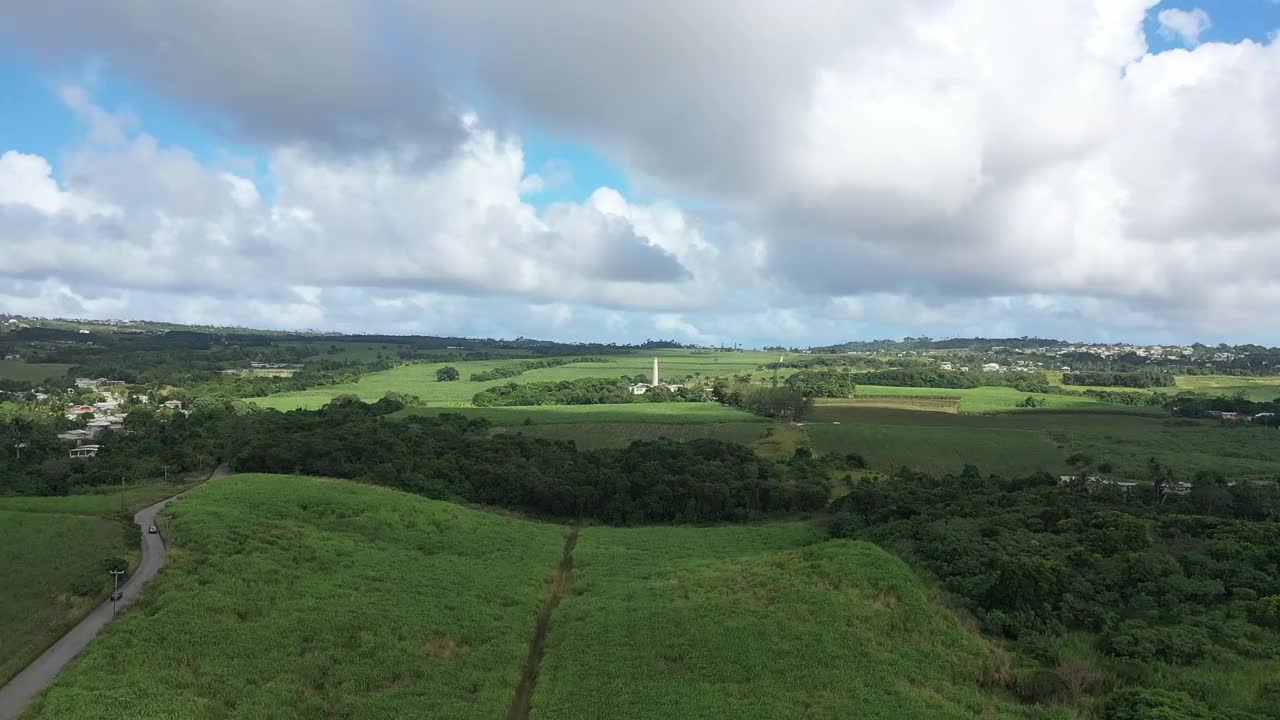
(115, 594)
(18, 447)
(121, 493)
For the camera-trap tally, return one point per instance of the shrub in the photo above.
(1148, 704)
(1266, 611)
(843, 525)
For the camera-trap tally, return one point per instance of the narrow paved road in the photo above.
(26, 684)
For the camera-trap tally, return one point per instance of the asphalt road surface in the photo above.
(28, 683)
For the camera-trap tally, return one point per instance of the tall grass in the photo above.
(754, 622)
(289, 597)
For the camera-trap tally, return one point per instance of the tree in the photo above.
(448, 373)
(823, 383)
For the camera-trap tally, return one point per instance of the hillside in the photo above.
(381, 605)
(755, 622)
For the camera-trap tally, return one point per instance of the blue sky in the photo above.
(1233, 20)
(856, 225)
(42, 124)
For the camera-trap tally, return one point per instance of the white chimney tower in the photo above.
(655, 372)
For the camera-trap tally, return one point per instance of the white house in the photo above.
(991, 367)
(84, 451)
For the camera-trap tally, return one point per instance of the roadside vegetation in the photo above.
(290, 597)
(55, 557)
(57, 551)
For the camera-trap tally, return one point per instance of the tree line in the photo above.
(1107, 378)
(582, 391)
(930, 376)
(510, 371)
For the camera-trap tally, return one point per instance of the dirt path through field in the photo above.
(533, 663)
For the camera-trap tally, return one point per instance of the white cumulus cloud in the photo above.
(1184, 25)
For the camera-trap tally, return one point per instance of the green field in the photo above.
(1254, 388)
(290, 597)
(420, 379)
(53, 569)
(31, 372)
(103, 502)
(754, 622)
(933, 442)
(986, 400)
(1021, 443)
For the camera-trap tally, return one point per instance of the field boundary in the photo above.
(523, 699)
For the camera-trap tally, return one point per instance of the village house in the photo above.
(12, 356)
(76, 436)
(991, 367)
(84, 451)
(76, 411)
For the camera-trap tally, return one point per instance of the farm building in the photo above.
(642, 388)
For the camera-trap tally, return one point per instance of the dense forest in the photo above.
(930, 376)
(1154, 581)
(451, 457)
(1103, 378)
(782, 403)
(447, 457)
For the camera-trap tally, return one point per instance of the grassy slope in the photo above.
(678, 623)
(290, 597)
(41, 555)
(31, 372)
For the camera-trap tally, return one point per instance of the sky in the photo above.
(720, 172)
